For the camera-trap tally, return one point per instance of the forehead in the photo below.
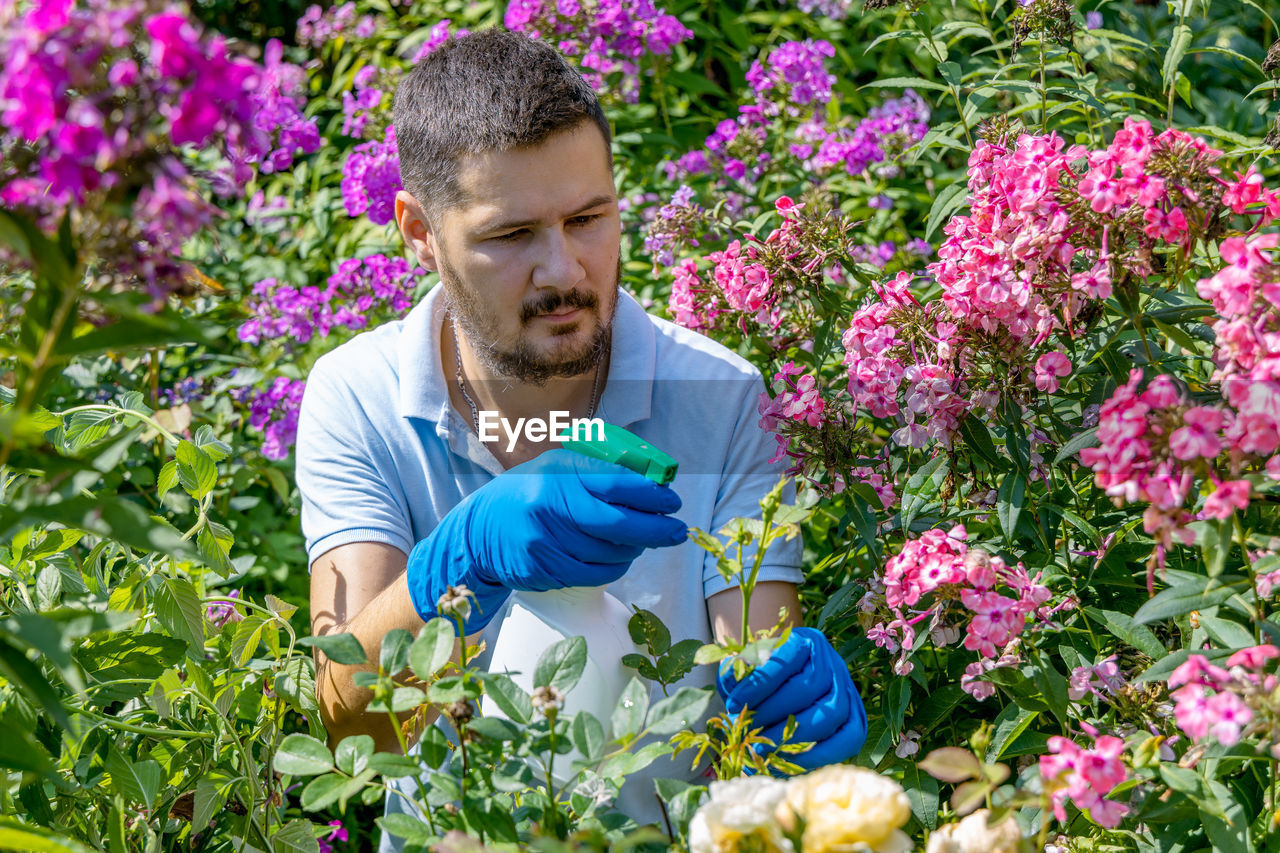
(536, 183)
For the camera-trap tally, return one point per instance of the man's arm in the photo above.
(769, 597)
(359, 589)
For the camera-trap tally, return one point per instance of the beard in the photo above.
(520, 359)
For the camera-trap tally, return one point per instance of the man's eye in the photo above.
(509, 237)
(585, 220)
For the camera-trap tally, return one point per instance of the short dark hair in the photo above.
(493, 90)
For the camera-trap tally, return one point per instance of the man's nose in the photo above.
(558, 265)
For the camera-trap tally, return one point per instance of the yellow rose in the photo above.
(973, 835)
(846, 809)
(739, 818)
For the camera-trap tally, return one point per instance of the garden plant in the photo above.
(1010, 268)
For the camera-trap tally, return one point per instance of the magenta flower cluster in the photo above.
(876, 141)
(609, 38)
(371, 179)
(70, 129)
(317, 26)
(938, 585)
(357, 103)
(792, 83)
(794, 76)
(1154, 443)
(1227, 704)
(438, 35)
(1085, 776)
(361, 287)
(274, 412)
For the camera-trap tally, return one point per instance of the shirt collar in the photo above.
(628, 389)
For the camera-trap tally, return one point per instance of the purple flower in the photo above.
(371, 179)
(339, 833)
(610, 37)
(220, 613)
(1092, 20)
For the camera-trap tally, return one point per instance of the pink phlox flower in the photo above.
(1254, 657)
(1198, 670)
(1244, 191)
(1230, 496)
(1199, 436)
(1049, 367)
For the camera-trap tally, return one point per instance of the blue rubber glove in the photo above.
(559, 520)
(807, 678)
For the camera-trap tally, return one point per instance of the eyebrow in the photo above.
(511, 225)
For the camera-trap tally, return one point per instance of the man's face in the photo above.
(530, 258)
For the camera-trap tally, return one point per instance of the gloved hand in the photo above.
(559, 520)
(808, 678)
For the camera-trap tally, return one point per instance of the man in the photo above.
(509, 196)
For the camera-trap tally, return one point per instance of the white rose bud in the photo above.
(740, 816)
(547, 699)
(845, 808)
(973, 835)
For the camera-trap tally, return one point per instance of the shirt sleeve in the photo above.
(342, 471)
(748, 476)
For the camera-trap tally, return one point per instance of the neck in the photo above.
(511, 398)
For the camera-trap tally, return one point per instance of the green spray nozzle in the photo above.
(629, 450)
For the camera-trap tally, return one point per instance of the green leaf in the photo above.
(139, 781)
(978, 437)
(679, 712)
(1124, 627)
(403, 699)
(433, 648)
(303, 755)
(945, 203)
(1197, 594)
(587, 735)
(55, 542)
(905, 83)
(646, 629)
(248, 635)
(196, 471)
(1088, 438)
(296, 836)
(561, 665)
(508, 696)
(922, 793)
(1163, 668)
(168, 478)
(179, 611)
(679, 661)
(1177, 50)
(951, 764)
(921, 487)
(353, 753)
(322, 791)
(343, 649)
(208, 800)
(1011, 722)
(21, 836)
(413, 830)
(1009, 502)
(394, 766)
(628, 715)
(394, 656)
(215, 541)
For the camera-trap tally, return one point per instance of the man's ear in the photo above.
(416, 230)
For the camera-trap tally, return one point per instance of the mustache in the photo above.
(555, 303)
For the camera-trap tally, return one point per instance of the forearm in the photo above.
(768, 599)
(344, 704)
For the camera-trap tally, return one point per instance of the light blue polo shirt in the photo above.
(382, 454)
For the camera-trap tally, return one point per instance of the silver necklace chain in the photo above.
(475, 413)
